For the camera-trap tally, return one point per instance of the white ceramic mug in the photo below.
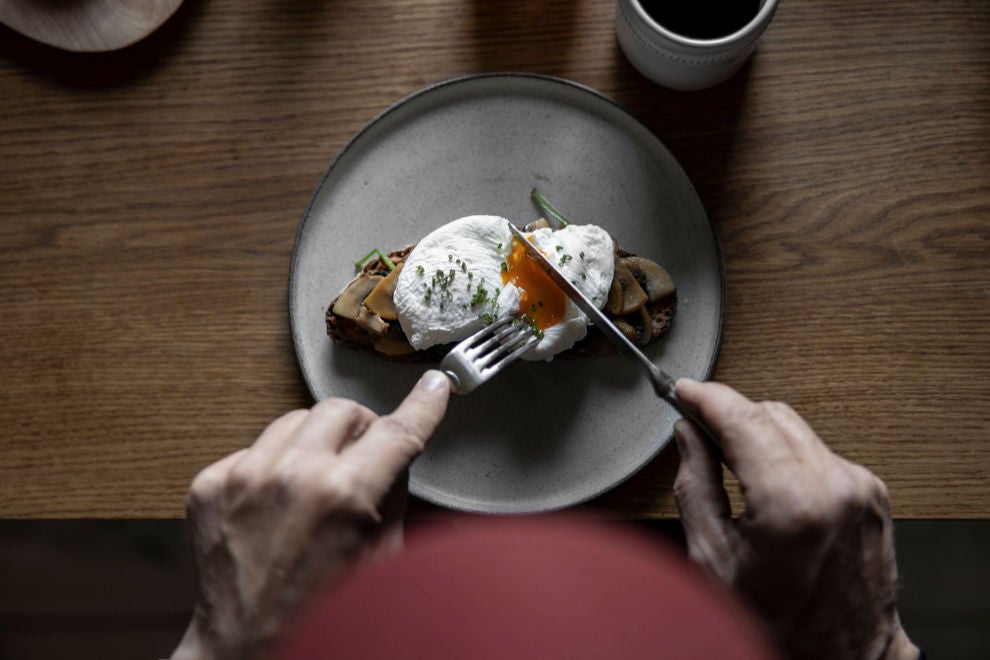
(680, 62)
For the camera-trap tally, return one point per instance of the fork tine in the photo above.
(488, 336)
(486, 333)
(506, 346)
(486, 352)
(521, 348)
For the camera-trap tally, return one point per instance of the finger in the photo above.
(701, 498)
(758, 438)
(209, 481)
(392, 441)
(278, 432)
(204, 502)
(718, 404)
(331, 425)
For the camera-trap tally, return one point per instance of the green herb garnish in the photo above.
(381, 256)
(480, 296)
(531, 324)
(547, 208)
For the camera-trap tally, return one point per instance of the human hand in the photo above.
(319, 491)
(813, 550)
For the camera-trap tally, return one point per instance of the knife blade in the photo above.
(662, 382)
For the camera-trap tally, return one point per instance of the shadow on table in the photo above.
(99, 71)
(701, 128)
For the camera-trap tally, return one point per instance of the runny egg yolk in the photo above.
(540, 298)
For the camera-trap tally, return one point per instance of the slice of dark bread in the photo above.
(642, 302)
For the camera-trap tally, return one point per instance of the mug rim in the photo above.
(750, 28)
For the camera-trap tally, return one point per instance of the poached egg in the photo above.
(471, 272)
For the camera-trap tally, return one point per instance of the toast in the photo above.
(642, 302)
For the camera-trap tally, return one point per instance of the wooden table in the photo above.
(149, 200)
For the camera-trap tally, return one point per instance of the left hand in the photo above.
(319, 491)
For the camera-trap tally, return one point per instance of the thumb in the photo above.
(702, 501)
(392, 441)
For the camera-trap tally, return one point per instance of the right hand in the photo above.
(813, 550)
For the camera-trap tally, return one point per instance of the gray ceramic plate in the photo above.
(539, 436)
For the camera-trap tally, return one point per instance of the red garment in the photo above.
(544, 587)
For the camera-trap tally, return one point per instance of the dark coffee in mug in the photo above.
(702, 19)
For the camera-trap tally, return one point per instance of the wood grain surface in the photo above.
(149, 200)
(87, 26)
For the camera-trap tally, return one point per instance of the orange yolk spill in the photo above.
(540, 299)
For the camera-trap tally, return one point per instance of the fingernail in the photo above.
(679, 431)
(434, 381)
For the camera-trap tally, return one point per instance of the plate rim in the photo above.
(472, 78)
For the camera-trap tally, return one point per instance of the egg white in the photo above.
(451, 284)
(586, 256)
(437, 295)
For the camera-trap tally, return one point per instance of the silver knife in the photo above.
(662, 382)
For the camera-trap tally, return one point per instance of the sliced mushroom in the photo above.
(627, 330)
(628, 296)
(638, 326)
(655, 280)
(537, 224)
(380, 300)
(350, 304)
(613, 304)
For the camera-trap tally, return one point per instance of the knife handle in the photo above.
(690, 414)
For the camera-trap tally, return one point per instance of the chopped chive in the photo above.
(547, 208)
(381, 256)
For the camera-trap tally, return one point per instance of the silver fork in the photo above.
(487, 352)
